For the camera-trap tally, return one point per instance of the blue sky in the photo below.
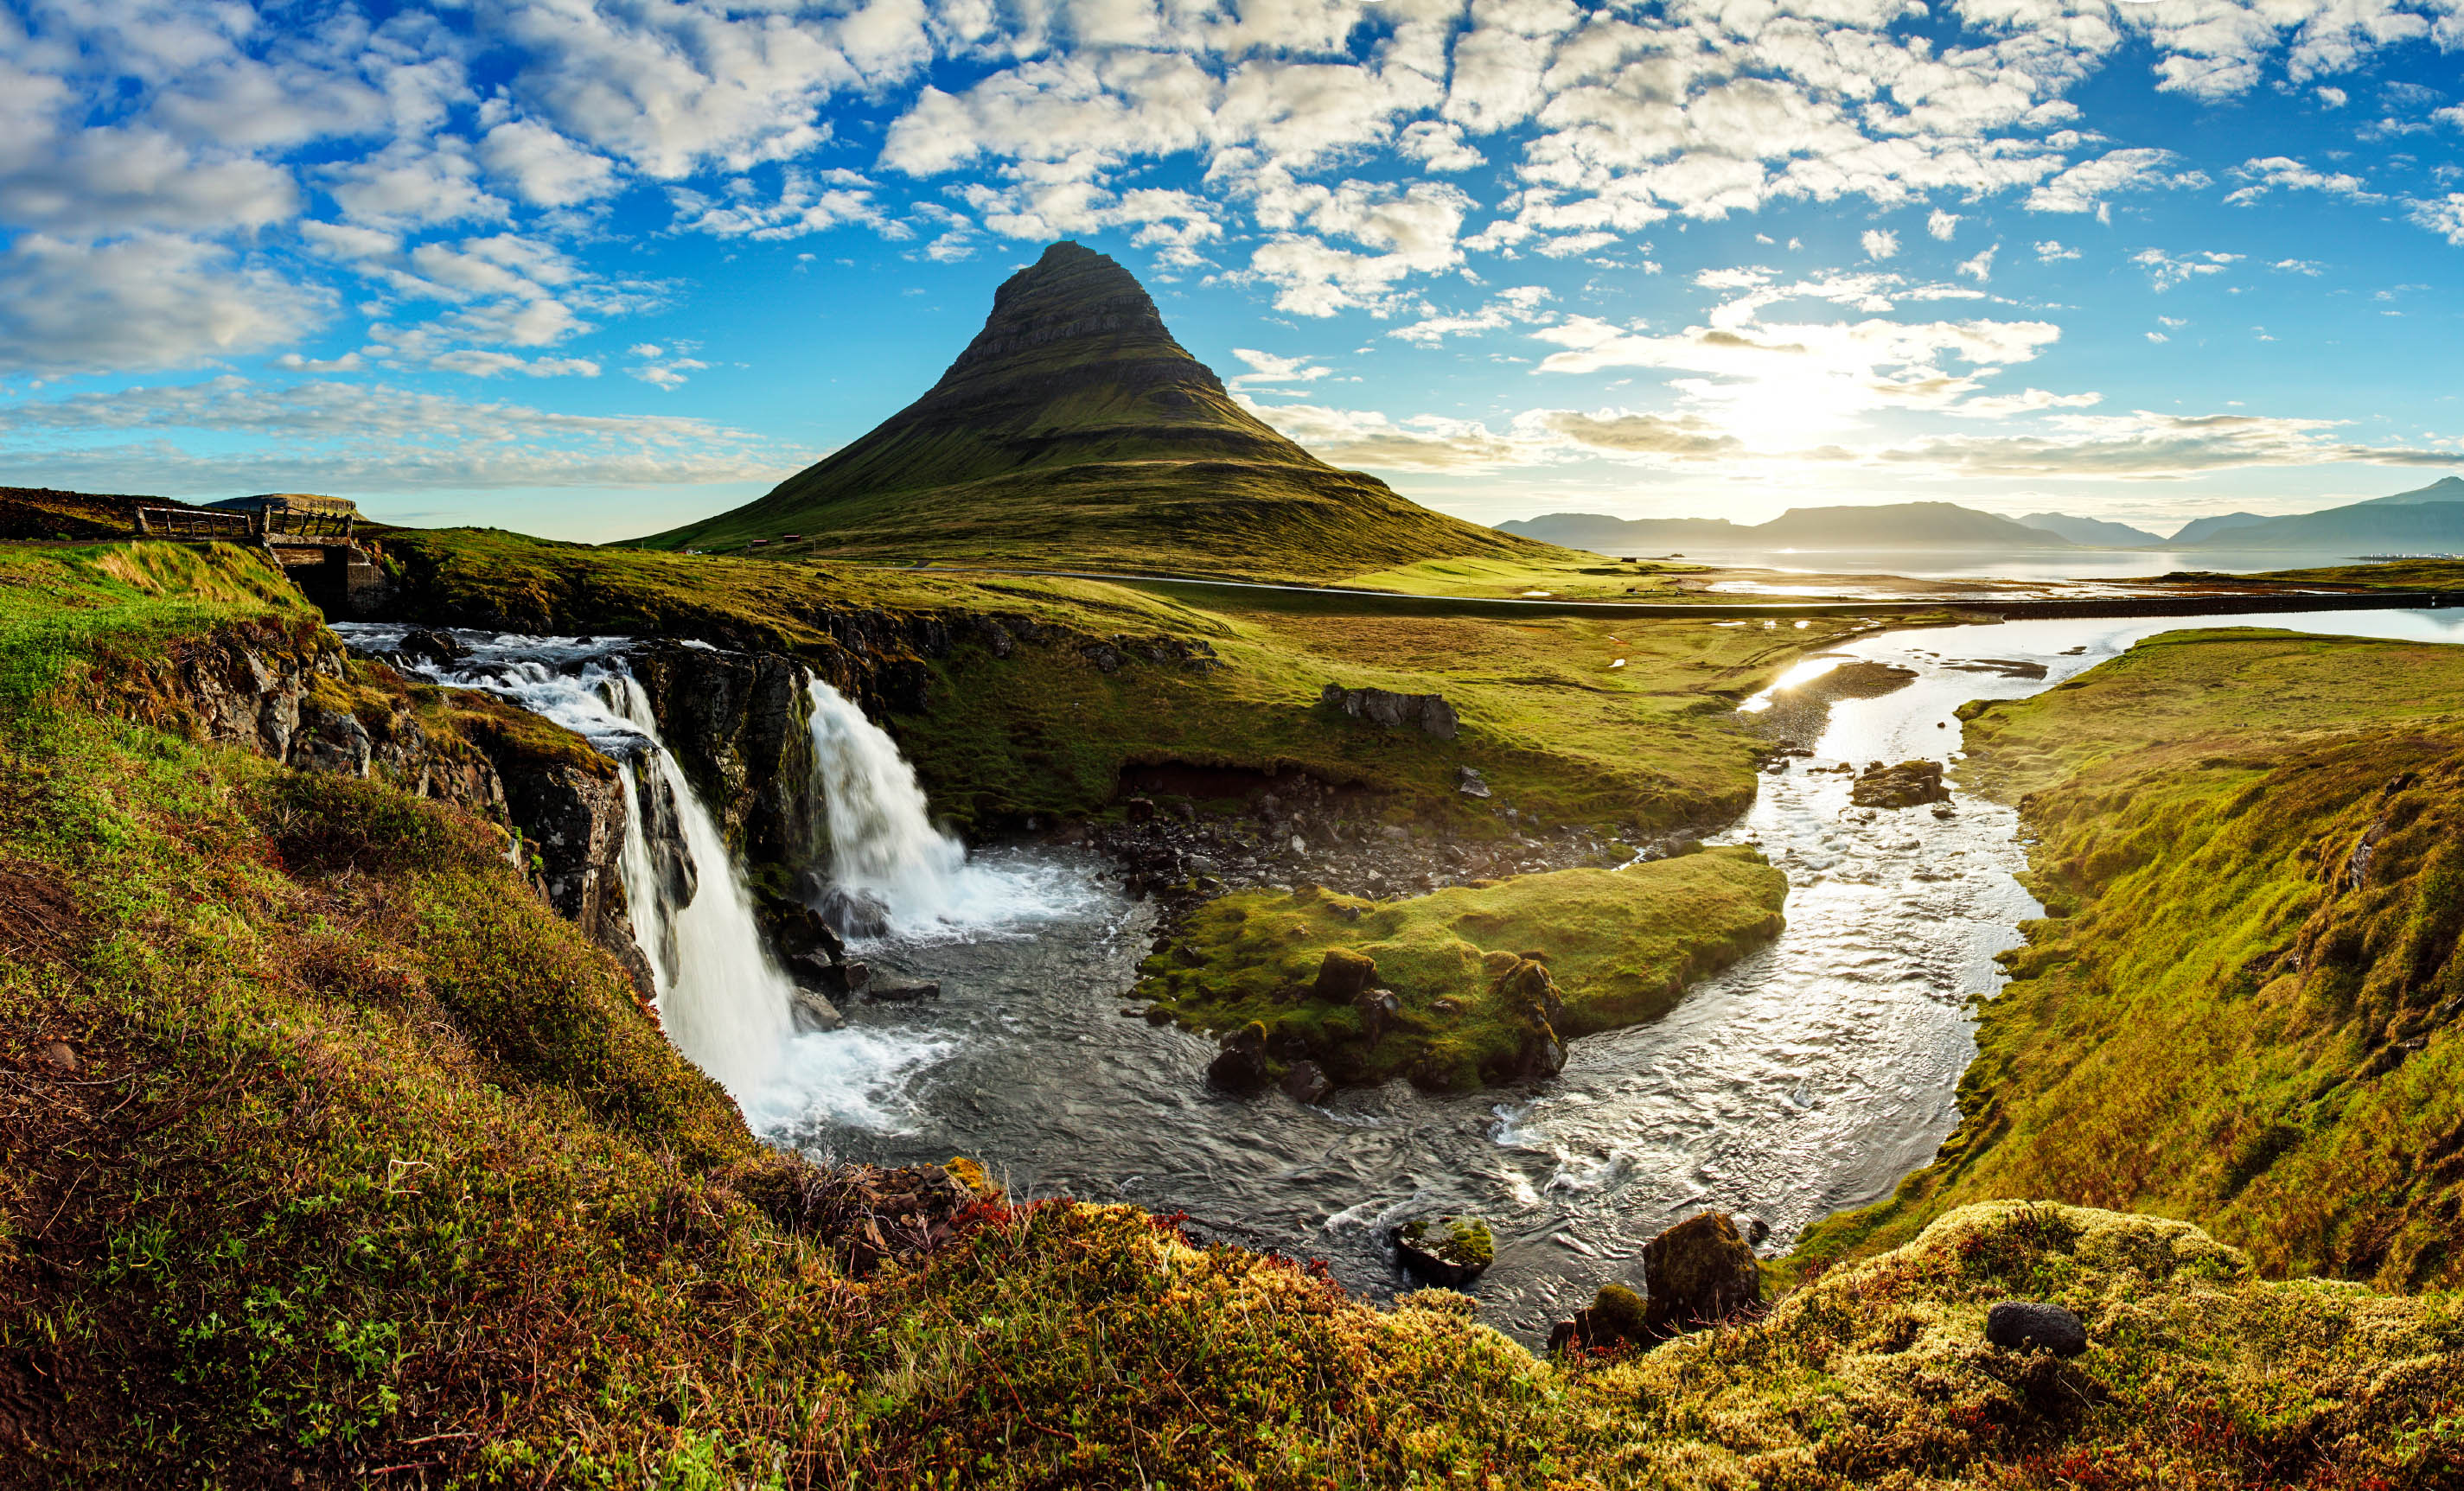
(589, 268)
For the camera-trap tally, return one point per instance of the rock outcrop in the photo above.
(1426, 712)
(1906, 785)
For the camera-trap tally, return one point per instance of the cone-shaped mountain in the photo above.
(1075, 432)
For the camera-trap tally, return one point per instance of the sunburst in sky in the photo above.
(590, 267)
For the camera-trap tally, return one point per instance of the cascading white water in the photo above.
(723, 1001)
(884, 845)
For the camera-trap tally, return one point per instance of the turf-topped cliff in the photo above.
(2243, 1005)
(1075, 431)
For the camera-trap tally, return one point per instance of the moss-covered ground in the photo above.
(1564, 734)
(365, 1169)
(2241, 1007)
(1574, 577)
(1620, 945)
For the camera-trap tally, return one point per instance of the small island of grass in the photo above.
(1468, 986)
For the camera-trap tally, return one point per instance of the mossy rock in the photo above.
(1445, 1251)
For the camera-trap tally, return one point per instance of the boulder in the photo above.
(1241, 1065)
(1138, 810)
(1429, 713)
(2027, 1326)
(1377, 1009)
(841, 977)
(1446, 1251)
(1529, 997)
(1614, 1318)
(855, 913)
(1698, 1273)
(1907, 784)
(1306, 1081)
(419, 645)
(1470, 783)
(1343, 973)
(815, 1013)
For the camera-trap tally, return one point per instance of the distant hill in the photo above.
(1897, 525)
(2446, 489)
(42, 512)
(2200, 530)
(2093, 531)
(1075, 431)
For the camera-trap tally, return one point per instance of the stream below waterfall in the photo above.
(1809, 1077)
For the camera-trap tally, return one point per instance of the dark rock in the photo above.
(1529, 996)
(1377, 1009)
(902, 994)
(1343, 973)
(815, 1013)
(423, 646)
(1138, 810)
(1241, 1065)
(2027, 1325)
(1906, 785)
(855, 913)
(845, 977)
(797, 931)
(1449, 1252)
(1753, 1228)
(1697, 1274)
(1429, 712)
(1304, 1082)
(1470, 783)
(1107, 660)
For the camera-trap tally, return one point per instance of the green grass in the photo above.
(1571, 577)
(65, 609)
(2215, 1021)
(1620, 945)
(374, 1173)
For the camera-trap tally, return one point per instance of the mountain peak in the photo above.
(1074, 426)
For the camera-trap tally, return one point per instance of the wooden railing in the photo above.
(300, 523)
(169, 522)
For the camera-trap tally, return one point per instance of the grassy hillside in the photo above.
(1074, 432)
(1563, 735)
(2242, 1006)
(363, 1169)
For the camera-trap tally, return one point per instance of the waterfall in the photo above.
(723, 1000)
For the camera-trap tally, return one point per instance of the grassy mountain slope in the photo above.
(2243, 1007)
(372, 1172)
(1074, 432)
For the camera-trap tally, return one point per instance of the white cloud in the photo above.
(1520, 303)
(1941, 224)
(487, 365)
(2441, 215)
(1423, 443)
(143, 303)
(1265, 368)
(2052, 250)
(1881, 243)
(2084, 188)
(230, 434)
(807, 201)
(2165, 271)
(2145, 444)
(542, 168)
(2275, 171)
(1981, 267)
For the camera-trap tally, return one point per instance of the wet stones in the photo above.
(1306, 1081)
(1240, 1066)
(423, 646)
(1430, 713)
(1377, 1009)
(1446, 1251)
(1907, 784)
(1614, 1318)
(1530, 994)
(2029, 1325)
(814, 1013)
(855, 913)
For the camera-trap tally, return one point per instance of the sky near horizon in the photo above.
(590, 267)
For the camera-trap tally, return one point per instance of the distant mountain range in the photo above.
(1897, 525)
(1075, 432)
(2426, 518)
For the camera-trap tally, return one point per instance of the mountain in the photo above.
(1075, 432)
(2428, 517)
(1897, 525)
(2200, 530)
(2446, 489)
(2091, 531)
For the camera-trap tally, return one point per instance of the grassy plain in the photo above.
(1621, 946)
(1564, 735)
(2241, 1007)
